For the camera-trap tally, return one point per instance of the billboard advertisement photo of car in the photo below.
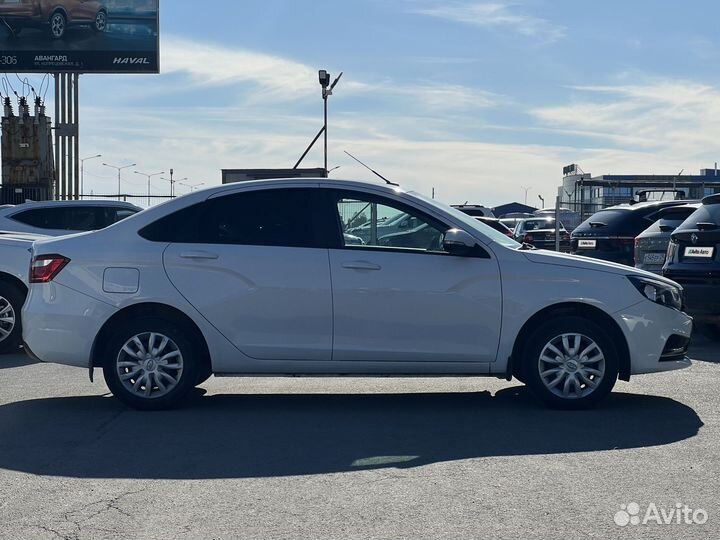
(81, 36)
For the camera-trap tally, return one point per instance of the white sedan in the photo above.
(258, 279)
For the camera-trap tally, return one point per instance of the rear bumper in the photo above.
(610, 256)
(702, 300)
(60, 324)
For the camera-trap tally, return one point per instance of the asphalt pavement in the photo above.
(359, 458)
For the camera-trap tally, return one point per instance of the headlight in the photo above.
(658, 292)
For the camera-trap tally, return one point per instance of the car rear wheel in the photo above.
(58, 24)
(150, 364)
(11, 301)
(570, 363)
(101, 21)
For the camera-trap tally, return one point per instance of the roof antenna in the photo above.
(372, 171)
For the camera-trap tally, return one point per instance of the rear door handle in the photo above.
(361, 265)
(206, 255)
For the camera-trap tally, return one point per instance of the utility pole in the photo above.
(82, 173)
(119, 170)
(526, 192)
(149, 176)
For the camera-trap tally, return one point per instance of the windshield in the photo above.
(537, 224)
(470, 222)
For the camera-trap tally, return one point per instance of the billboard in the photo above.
(83, 36)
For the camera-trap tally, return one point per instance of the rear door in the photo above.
(401, 298)
(252, 265)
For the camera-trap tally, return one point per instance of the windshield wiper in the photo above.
(525, 246)
(596, 224)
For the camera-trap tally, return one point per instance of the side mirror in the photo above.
(458, 242)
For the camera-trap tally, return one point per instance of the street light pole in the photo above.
(327, 90)
(172, 184)
(526, 192)
(542, 200)
(149, 176)
(192, 186)
(119, 170)
(82, 172)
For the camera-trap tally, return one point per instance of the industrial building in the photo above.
(586, 194)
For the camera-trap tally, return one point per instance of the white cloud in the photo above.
(493, 14)
(671, 117)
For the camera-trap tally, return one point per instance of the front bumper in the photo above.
(648, 329)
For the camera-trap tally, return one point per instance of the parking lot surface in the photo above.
(357, 458)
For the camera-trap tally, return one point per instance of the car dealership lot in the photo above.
(358, 458)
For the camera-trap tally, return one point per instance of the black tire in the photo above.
(12, 298)
(115, 356)
(58, 25)
(587, 331)
(100, 24)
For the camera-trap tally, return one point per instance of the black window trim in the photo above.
(334, 237)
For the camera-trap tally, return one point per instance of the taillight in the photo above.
(44, 268)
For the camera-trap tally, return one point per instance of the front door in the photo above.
(399, 297)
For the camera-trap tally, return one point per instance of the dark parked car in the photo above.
(651, 244)
(495, 224)
(540, 232)
(610, 234)
(693, 260)
(54, 15)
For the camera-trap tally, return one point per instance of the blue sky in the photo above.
(473, 98)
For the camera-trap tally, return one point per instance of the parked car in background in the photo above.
(568, 218)
(235, 280)
(651, 244)
(52, 218)
(511, 220)
(474, 210)
(400, 222)
(610, 234)
(540, 232)
(54, 15)
(496, 224)
(693, 260)
(56, 218)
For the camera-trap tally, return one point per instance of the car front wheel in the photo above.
(101, 21)
(58, 24)
(570, 363)
(150, 364)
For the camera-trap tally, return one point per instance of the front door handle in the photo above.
(361, 265)
(206, 255)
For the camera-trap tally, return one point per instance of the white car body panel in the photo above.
(446, 309)
(480, 305)
(272, 303)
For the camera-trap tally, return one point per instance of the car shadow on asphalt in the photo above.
(9, 361)
(265, 435)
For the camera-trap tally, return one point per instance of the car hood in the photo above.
(542, 256)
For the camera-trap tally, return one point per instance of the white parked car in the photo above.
(55, 218)
(20, 226)
(257, 279)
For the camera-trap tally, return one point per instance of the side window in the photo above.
(113, 215)
(380, 223)
(34, 218)
(60, 218)
(274, 217)
(85, 218)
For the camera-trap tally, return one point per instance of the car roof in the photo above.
(69, 204)
(647, 205)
